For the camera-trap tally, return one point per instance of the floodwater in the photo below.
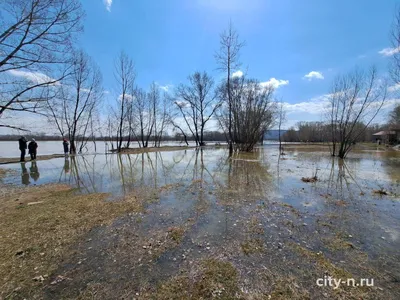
(225, 205)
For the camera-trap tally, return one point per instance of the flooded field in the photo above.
(252, 226)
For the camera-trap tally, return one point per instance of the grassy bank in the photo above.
(37, 227)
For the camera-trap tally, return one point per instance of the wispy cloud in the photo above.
(275, 83)
(34, 77)
(166, 87)
(389, 51)
(108, 4)
(237, 74)
(313, 75)
(394, 88)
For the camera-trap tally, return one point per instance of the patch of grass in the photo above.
(176, 233)
(322, 262)
(338, 242)
(36, 238)
(252, 246)
(285, 289)
(214, 279)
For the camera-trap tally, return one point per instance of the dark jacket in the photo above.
(32, 147)
(22, 144)
(65, 144)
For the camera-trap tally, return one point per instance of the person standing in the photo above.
(22, 147)
(66, 146)
(32, 147)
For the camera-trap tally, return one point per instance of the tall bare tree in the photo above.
(35, 39)
(125, 76)
(228, 61)
(355, 100)
(281, 115)
(162, 119)
(395, 40)
(78, 99)
(197, 103)
(144, 114)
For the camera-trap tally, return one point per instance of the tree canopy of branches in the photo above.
(197, 103)
(35, 40)
(228, 61)
(251, 112)
(395, 40)
(355, 100)
(394, 116)
(79, 96)
(125, 76)
(146, 106)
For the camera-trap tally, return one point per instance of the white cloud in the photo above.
(275, 83)
(34, 77)
(394, 87)
(313, 75)
(128, 97)
(389, 51)
(237, 74)
(108, 4)
(165, 88)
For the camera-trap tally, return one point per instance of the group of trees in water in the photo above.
(43, 72)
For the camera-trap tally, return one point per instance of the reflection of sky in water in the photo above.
(118, 173)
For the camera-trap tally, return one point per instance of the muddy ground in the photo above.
(200, 225)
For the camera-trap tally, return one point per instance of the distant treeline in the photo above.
(211, 136)
(317, 132)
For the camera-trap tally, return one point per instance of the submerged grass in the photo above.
(37, 228)
(214, 279)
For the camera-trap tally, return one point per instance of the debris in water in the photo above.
(380, 192)
(309, 179)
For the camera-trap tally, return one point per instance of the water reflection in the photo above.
(256, 175)
(34, 171)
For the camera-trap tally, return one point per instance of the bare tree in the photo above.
(228, 61)
(35, 40)
(355, 100)
(395, 40)
(125, 77)
(144, 115)
(252, 111)
(162, 120)
(79, 96)
(394, 116)
(281, 119)
(197, 103)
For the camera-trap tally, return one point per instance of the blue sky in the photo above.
(285, 40)
(298, 45)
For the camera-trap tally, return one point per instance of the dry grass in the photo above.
(35, 238)
(154, 149)
(213, 279)
(10, 160)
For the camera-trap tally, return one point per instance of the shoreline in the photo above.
(12, 160)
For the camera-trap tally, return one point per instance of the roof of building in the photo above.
(385, 133)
